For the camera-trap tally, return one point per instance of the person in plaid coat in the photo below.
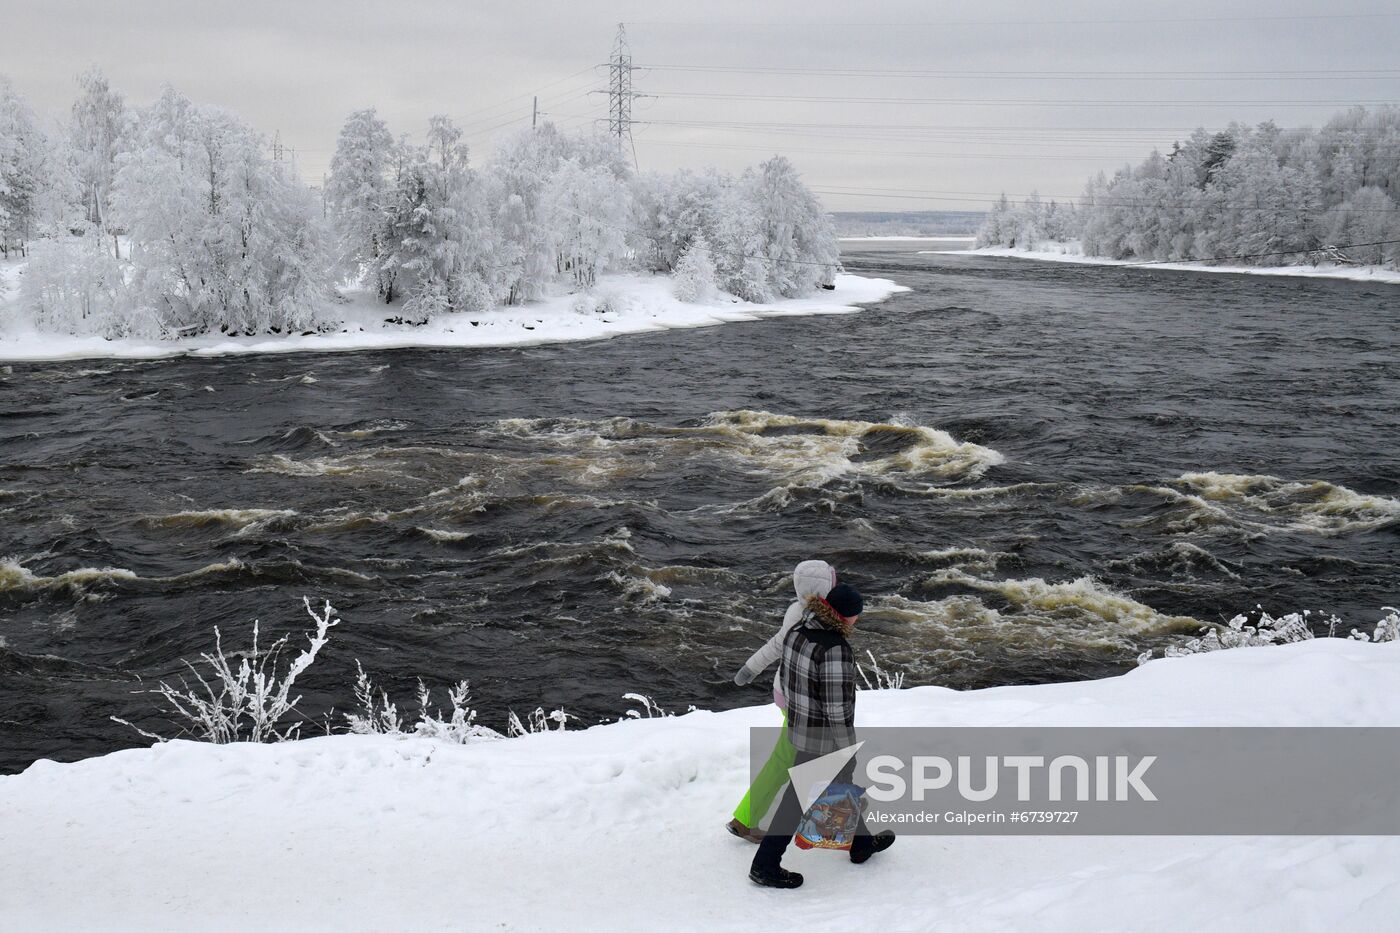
(818, 675)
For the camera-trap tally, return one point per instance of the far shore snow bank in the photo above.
(620, 827)
(619, 304)
(905, 238)
(1069, 252)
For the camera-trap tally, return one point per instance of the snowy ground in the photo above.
(1069, 252)
(621, 304)
(620, 827)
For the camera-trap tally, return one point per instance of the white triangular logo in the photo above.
(811, 779)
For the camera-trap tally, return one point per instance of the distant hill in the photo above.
(906, 223)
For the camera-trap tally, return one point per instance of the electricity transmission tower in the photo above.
(620, 94)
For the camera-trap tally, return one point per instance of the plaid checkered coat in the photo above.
(819, 680)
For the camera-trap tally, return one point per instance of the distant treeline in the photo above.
(907, 223)
(1261, 195)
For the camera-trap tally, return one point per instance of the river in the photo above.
(1034, 471)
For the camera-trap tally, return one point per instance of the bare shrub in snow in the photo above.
(460, 727)
(1238, 633)
(1275, 630)
(247, 703)
(1387, 629)
(377, 715)
(650, 709)
(877, 678)
(538, 721)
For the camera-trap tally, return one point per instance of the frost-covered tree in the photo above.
(358, 194)
(76, 285)
(694, 278)
(994, 230)
(1369, 215)
(797, 241)
(100, 131)
(1257, 194)
(587, 209)
(222, 239)
(35, 175)
(519, 176)
(767, 233)
(1026, 225)
(18, 173)
(670, 210)
(213, 236)
(437, 237)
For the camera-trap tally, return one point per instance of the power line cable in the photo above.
(1145, 202)
(783, 126)
(889, 153)
(1316, 74)
(528, 94)
(858, 189)
(945, 24)
(1013, 101)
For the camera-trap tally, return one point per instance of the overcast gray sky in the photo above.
(988, 113)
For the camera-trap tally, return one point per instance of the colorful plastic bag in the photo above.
(833, 819)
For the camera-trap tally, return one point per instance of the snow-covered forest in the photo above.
(175, 219)
(1260, 195)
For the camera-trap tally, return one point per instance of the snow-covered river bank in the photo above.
(620, 304)
(1069, 252)
(562, 831)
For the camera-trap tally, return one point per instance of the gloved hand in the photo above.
(745, 676)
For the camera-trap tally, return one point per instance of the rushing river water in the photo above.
(1034, 471)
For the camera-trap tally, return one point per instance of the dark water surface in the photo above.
(1035, 471)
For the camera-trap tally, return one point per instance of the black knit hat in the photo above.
(846, 600)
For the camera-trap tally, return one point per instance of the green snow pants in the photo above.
(769, 783)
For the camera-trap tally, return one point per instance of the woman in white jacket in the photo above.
(810, 578)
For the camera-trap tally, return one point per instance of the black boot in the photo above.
(775, 877)
(865, 846)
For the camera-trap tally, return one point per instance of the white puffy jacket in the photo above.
(811, 578)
